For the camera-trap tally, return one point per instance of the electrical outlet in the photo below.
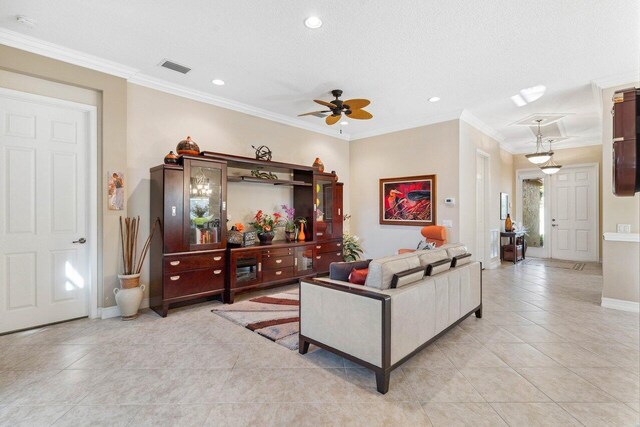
(447, 223)
(624, 228)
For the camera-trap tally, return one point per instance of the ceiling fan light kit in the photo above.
(352, 108)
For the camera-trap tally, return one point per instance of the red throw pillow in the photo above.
(358, 276)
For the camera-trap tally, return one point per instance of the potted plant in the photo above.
(265, 225)
(351, 247)
(129, 295)
(289, 223)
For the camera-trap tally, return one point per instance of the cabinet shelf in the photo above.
(242, 178)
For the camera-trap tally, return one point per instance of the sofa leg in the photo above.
(303, 346)
(479, 312)
(382, 380)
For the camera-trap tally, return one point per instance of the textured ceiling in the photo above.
(472, 54)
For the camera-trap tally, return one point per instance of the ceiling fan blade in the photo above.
(314, 112)
(360, 115)
(332, 120)
(325, 103)
(356, 104)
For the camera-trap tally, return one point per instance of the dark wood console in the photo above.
(192, 259)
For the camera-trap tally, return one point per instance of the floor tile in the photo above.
(572, 355)
(521, 355)
(98, 415)
(31, 416)
(503, 385)
(603, 414)
(618, 382)
(534, 414)
(469, 355)
(242, 414)
(562, 385)
(171, 415)
(441, 385)
(462, 414)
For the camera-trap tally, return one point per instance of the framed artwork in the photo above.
(115, 191)
(409, 200)
(504, 205)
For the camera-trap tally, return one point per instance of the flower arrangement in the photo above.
(265, 223)
(289, 218)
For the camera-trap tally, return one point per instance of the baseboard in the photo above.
(619, 304)
(114, 311)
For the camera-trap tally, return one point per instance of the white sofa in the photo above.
(380, 327)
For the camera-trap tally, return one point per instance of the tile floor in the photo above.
(545, 353)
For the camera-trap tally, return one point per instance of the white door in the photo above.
(44, 266)
(481, 194)
(574, 213)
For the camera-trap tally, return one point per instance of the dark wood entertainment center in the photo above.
(192, 260)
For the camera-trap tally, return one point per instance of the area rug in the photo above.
(586, 267)
(273, 316)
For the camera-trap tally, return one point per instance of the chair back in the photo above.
(435, 234)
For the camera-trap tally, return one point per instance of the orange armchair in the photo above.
(433, 234)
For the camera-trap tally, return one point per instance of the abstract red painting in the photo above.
(408, 201)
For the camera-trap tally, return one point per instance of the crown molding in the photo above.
(50, 50)
(474, 121)
(630, 77)
(204, 97)
(445, 117)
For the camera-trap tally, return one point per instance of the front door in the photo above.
(44, 263)
(574, 214)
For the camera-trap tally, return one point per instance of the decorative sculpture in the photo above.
(262, 152)
(263, 175)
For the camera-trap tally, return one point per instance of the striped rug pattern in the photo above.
(272, 316)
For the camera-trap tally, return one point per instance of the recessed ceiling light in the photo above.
(434, 99)
(313, 22)
(344, 123)
(218, 82)
(25, 20)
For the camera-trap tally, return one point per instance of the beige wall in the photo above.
(113, 131)
(158, 121)
(566, 157)
(425, 150)
(620, 260)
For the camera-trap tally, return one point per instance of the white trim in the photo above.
(626, 77)
(621, 237)
(410, 125)
(472, 120)
(92, 153)
(114, 311)
(619, 304)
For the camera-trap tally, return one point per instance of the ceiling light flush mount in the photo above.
(313, 22)
(551, 166)
(218, 82)
(434, 99)
(540, 156)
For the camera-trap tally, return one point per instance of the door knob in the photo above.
(554, 225)
(81, 240)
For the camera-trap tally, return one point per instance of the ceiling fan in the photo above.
(352, 108)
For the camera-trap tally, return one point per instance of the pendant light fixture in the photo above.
(550, 167)
(540, 156)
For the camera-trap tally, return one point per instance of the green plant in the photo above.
(351, 248)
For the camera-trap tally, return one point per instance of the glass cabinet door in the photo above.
(204, 196)
(324, 207)
(303, 260)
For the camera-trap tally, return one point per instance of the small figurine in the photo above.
(262, 153)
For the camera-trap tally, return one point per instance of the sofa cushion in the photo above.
(432, 255)
(381, 270)
(438, 267)
(342, 270)
(407, 277)
(358, 276)
(456, 249)
(459, 260)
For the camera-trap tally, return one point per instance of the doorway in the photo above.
(560, 212)
(48, 205)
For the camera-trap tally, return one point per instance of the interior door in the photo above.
(574, 214)
(481, 223)
(44, 261)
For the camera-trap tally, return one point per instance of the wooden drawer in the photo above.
(329, 247)
(324, 259)
(193, 282)
(277, 274)
(278, 252)
(270, 262)
(178, 263)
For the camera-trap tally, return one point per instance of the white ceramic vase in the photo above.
(128, 301)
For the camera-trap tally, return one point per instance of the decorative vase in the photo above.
(128, 301)
(290, 236)
(266, 238)
(301, 235)
(128, 281)
(188, 147)
(318, 165)
(508, 225)
(171, 158)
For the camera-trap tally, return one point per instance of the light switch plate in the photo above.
(447, 223)
(624, 228)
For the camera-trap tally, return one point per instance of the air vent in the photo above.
(175, 67)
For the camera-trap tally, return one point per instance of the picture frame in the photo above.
(410, 200)
(504, 205)
(115, 190)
